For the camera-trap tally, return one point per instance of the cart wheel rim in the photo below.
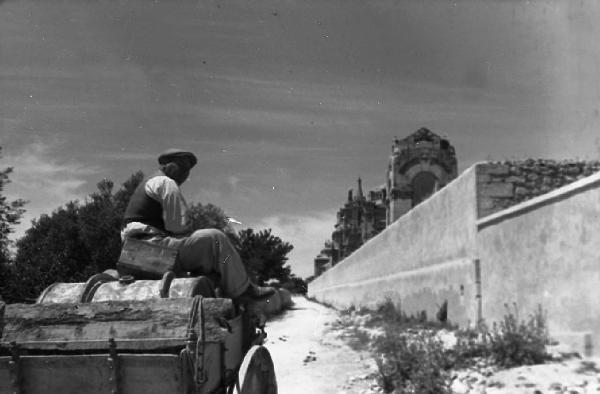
(257, 374)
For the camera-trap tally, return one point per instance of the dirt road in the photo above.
(310, 357)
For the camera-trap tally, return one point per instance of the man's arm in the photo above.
(175, 210)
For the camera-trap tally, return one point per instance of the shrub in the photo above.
(508, 343)
(513, 342)
(411, 363)
(411, 359)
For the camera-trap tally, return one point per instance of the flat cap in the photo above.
(173, 153)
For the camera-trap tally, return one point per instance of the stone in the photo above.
(573, 170)
(522, 191)
(493, 169)
(532, 176)
(517, 180)
(483, 178)
(555, 387)
(459, 387)
(547, 171)
(496, 190)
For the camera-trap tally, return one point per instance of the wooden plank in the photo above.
(88, 326)
(162, 318)
(5, 383)
(2, 309)
(140, 374)
(151, 374)
(65, 374)
(152, 344)
(233, 344)
(216, 312)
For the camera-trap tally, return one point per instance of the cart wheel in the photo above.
(256, 375)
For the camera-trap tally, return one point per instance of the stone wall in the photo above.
(538, 251)
(545, 252)
(419, 261)
(503, 184)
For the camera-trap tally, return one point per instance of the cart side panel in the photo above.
(150, 374)
(138, 374)
(210, 362)
(5, 385)
(233, 344)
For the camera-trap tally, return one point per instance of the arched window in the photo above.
(424, 184)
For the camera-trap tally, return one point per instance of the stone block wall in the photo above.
(503, 184)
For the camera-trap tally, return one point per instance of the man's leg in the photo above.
(210, 252)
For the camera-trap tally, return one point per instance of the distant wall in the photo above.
(546, 252)
(421, 260)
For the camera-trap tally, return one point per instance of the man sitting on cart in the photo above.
(158, 213)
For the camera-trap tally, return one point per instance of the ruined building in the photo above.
(419, 165)
(357, 221)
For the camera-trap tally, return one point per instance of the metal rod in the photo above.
(113, 366)
(478, 296)
(14, 368)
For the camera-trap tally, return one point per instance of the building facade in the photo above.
(419, 165)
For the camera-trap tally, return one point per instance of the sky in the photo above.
(286, 103)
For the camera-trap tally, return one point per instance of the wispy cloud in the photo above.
(306, 232)
(44, 180)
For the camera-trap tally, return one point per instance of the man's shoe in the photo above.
(256, 293)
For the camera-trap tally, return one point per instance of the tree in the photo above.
(264, 255)
(52, 250)
(212, 216)
(73, 242)
(10, 215)
(101, 219)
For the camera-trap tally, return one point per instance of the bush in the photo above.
(411, 358)
(513, 343)
(412, 363)
(508, 343)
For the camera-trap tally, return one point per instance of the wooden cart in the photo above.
(130, 336)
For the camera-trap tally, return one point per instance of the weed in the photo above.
(389, 313)
(411, 359)
(513, 342)
(508, 343)
(359, 339)
(411, 363)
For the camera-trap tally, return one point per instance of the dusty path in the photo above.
(309, 356)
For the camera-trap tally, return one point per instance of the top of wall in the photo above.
(501, 185)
